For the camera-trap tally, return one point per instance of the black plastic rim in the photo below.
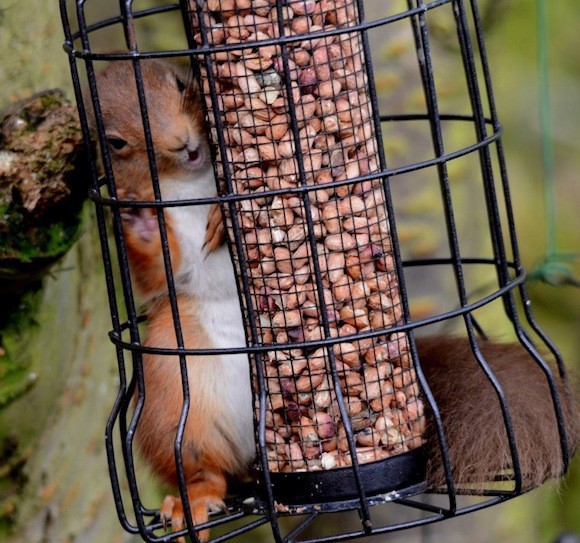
(383, 480)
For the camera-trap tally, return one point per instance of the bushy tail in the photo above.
(472, 418)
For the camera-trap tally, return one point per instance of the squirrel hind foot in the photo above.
(205, 497)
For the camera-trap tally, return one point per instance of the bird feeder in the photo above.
(341, 401)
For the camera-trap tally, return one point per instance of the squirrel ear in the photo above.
(186, 83)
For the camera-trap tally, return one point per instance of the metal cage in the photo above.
(396, 481)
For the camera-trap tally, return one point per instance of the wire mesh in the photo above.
(321, 310)
(287, 126)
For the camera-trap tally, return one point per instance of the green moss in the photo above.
(15, 375)
(23, 241)
(12, 480)
(14, 384)
(16, 379)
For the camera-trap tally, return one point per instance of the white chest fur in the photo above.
(211, 280)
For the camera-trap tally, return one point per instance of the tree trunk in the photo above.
(57, 369)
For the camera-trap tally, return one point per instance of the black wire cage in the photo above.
(344, 415)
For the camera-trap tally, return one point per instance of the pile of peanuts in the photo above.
(330, 137)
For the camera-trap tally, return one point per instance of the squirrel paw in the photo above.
(215, 233)
(172, 510)
(141, 222)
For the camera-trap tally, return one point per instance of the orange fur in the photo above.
(176, 120)
(146, 255)
(203, 444)
(204, 449)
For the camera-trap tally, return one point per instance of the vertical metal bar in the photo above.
(495, 224)
(398, 259)
(513, 240)
(426, 68)
(109, 278)
(486, 167)
(243, 271)
(506, 192)
(122, 256)
(129, 30)
(423, 57)
(364, 508)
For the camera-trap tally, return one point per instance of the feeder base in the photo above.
(335, 490)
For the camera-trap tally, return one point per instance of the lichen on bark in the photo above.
(42, 171)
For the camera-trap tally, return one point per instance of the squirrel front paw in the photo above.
(144, 245)
(215, 233)
(140, 222)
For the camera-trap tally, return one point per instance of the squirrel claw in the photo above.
(215, 232)
(172, 511)
(218, 507)
(205, 251)
(166, 511)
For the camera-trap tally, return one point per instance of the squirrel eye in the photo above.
(117, 143)
(181, 86)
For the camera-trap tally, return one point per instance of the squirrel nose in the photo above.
(196, 156)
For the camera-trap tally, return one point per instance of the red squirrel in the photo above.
(219, 436)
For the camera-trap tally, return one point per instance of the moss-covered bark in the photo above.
(42, 187)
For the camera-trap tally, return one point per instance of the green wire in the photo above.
(546, 126)
(553, 269)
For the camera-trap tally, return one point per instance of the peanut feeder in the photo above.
(315, 245)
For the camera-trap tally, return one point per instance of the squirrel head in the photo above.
(174, 115)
